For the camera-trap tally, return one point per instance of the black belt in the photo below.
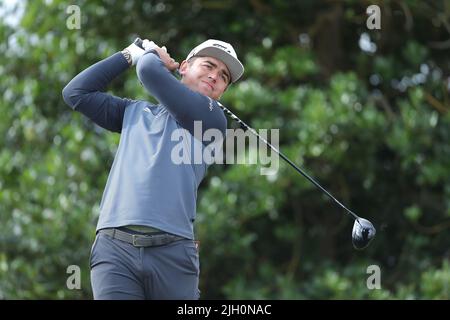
(141, 240)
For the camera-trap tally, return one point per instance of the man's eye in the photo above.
(208, 66)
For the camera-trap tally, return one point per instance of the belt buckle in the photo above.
(134, 240)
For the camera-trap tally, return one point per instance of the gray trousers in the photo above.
(122, 271)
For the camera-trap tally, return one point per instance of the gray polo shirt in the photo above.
(145, 186)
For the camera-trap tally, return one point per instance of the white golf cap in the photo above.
(222, 51)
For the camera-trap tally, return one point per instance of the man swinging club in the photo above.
(144, 246)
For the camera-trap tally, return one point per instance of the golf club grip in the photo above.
(139, 43)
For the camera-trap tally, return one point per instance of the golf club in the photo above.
(363, 230)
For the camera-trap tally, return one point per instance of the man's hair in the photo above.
(192, 59)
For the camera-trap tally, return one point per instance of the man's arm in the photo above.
(185, 105)
(85, 93)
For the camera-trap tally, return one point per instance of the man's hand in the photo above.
(132, 53)
(168, 61)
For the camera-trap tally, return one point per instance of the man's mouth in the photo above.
(209, 85)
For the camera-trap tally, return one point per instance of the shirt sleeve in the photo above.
(184, 104)
(85, 93)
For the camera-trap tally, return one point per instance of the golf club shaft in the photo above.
(139, 43)
(293, 165)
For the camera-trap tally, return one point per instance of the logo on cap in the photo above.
(221, 47)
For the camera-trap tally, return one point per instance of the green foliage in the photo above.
(372, 127)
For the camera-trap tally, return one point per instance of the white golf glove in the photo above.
(133, 53)
(148, 45)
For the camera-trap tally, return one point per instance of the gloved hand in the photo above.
(148, 45)
(133, 52)
(165, 57)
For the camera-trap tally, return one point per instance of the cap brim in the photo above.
(234, 66)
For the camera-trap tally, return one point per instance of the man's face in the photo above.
(206, 75)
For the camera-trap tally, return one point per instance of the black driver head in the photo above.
(363, 232)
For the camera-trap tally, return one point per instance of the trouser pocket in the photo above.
(192, 255)
(94, 245)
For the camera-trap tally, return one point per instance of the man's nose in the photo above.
(213, 76)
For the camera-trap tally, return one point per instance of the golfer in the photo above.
(144, 246)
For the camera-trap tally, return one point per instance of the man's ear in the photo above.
(183, 67)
